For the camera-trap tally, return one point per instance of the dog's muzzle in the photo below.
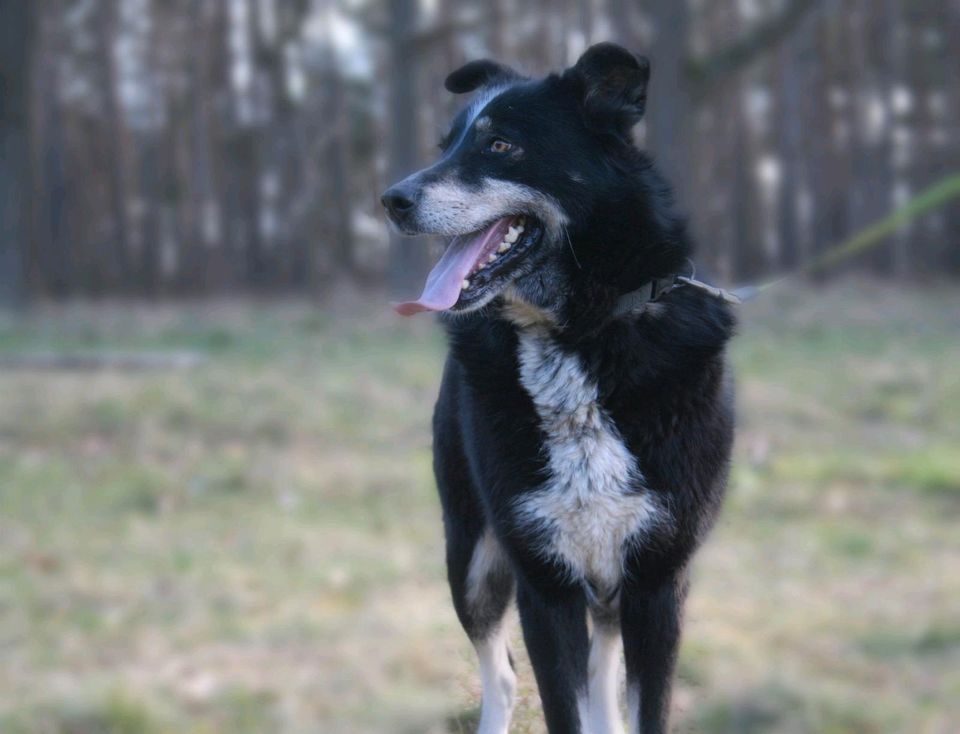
(400, 200)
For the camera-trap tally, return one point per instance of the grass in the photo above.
(253, 545)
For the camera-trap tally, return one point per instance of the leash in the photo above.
(930, 198)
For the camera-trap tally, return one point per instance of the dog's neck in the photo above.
(638, 268)
(631, 242)
(577, 322)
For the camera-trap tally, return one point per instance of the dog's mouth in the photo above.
(476, 266)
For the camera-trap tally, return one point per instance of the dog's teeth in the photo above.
(465, 284)
(512, 235)
(520, 227)
(491, 257)
(504, 246)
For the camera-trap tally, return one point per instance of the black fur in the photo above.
(477, 73)
(661, 377)
(612, 86)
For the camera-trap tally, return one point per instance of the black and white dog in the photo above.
(584, 425)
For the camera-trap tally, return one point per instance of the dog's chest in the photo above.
(592, 503)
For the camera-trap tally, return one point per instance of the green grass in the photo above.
(253, 544)
(114, 714)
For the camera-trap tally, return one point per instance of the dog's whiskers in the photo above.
(573, 252)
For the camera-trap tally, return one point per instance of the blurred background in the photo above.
(216, 506)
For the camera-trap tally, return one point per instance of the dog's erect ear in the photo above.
(476, 74)
(612, 83)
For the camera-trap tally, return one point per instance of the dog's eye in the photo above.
(500, 146)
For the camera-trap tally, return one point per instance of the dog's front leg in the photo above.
(650, 620)
(604, 670)
(555, 632)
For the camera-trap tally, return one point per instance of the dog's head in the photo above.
(525, 166)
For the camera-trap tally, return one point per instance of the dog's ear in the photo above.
(612, 84)
(476, 74)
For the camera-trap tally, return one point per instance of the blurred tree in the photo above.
(337, 164)
(106, 25)
(791, 84)
(201, 214)
(203, 145)
(949, 115)
(668, 115)
(407, 255)
(49, 260)
(17, 23)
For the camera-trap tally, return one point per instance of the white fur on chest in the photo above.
(593, 503)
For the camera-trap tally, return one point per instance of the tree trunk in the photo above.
(788, 155)
(16, 40)
(868, 123)
(119, 246)
(407, 255)
(202, 221)
(794, 77)
(338, 169)
(830, 167)
(894, 34)
(496, 29)
(151, 162)
(669, 108)
(49, 267)
(618, 16)
(747, 257)
(951, 112)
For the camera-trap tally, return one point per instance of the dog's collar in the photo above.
(653, 290)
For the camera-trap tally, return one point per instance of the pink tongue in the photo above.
(442, 289)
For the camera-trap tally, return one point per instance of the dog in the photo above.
(584, 424)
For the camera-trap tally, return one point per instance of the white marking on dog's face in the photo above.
(593, 503)
(451, 207)
(499, 683)
(604, 680)
(475, 112)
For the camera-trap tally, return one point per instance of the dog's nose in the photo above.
(399, 200)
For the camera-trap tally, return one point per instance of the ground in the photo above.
(253, 544)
